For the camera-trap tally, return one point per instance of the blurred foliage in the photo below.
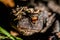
(8, 35)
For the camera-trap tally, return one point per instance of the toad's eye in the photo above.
(34, 19)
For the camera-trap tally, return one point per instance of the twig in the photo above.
(56, 29)
(54, 7)
(48, 24)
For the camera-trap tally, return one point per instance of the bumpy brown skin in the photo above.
(9, 3)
